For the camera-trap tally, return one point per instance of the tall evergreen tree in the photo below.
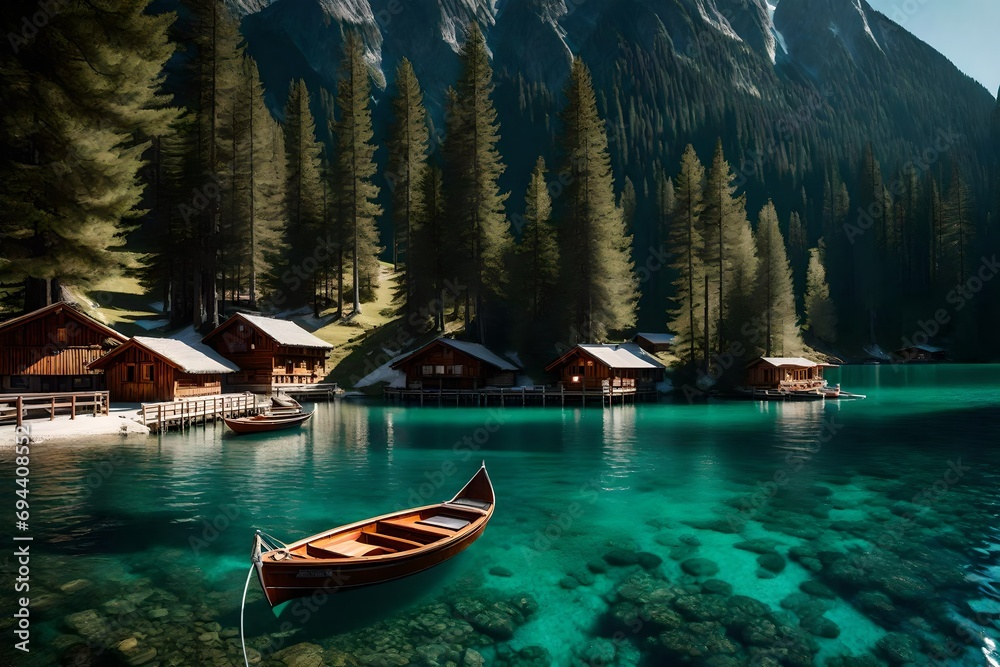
(600, 286)
(431, 255)
(408, 145)
(82, 103)
(481, 234)
(356, 169)
(297, 276)
(959, 230)
(780, 335)
(687, 246)
(538, 251)
(821, 316)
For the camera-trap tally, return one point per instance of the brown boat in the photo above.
(265, 423)
(374, 551)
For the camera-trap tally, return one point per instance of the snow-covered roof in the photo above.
(657, 338)
(195, 359)
(621, 355)
(480, 352)
(285, 332)
(929, 349)
(781, 362)
(474, 350)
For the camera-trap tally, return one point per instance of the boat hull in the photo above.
(287, 581)
(246, 425)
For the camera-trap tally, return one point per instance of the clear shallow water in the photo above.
(890, 503)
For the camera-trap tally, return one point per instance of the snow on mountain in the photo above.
(864, 20)
(779, 39)
(241, 8)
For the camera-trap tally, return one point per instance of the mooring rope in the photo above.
(243, 605)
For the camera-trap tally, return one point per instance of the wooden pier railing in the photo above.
(607, 394)
(187, 412)
(309, 392)
(18, 407)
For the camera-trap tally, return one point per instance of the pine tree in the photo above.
(431, 256)
(687, 245)
(821, 316)
(538, 252)
(407, 161)
(297, 277)
(599, 282)
(780, 335)
(82, 103)
(357, 191)
(959, 230)
(473, 166)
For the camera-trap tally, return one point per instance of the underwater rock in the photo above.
(702, 607)
(683, 552)
(898, 648)
(728, 526)
(531, 656)
(697, 640)
(74, 586)
(597, 566)
(806, 606)
(569, 583)
(717, 587)
(758, 632)
(700, 567)
(757, 546)
(662, 617)
(583, 576)
(816, 589)
(648, 561)
(855, 661)
(500, 571)
(621, 557)
(773, 562)
(690, 540)
(88, 624)
(820, 626)
(79, 655)
(765, 574)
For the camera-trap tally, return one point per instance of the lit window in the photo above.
(427, 370)
(439, 370)
(61, 335)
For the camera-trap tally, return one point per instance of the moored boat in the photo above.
(377, 550)
(266, 422)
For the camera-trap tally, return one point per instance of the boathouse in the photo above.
(922, 354)
(448, 364)
(269, 352)
(148, 370)
(49, 350)
(610, 367)
(791, 373)
(654, 343)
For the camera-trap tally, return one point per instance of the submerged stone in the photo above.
(597, 566)
(820, 626)
(648, 560)
(717, 587)
(600, 651)
(898, 649)
(700, 567)
(621, 557)
(500, 571)
(757, 546)
(816, 589)
(773, 562)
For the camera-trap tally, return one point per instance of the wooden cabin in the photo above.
(922, 354)
(654, 343)
(792, 373)
(621, 365)
(49, 350)
(446, 363)
(152, 370)
(269, 352)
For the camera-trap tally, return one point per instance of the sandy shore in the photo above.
(121, 422)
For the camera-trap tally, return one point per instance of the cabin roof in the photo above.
(192, 359)
(622, 356)
(930, 349)
(79, 316)
(785, 362)
(283, 332)
(474, 350)
(657, 338)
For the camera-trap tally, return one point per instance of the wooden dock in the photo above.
(18, 407)
(188, 412)
(325, 391)
(504, 396)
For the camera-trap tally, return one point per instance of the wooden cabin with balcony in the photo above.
(448, 364)
(785, 374)
(610, 368)
(152, 370)
(269, 353)
(49, 350)
(921, 354)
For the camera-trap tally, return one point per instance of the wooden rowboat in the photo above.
(374, 551)
(265, 423)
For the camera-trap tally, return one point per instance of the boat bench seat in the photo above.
(422, 528)
(471, 502)
(446, 522)
(348, 549)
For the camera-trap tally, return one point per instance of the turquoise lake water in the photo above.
(732, 533)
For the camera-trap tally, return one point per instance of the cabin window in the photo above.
(439, 370)
(61, 335)
(130, 372)
(82, 383)
(457, 369)
(427, 370)
(146, 372)
(302, 364)
(18, 382)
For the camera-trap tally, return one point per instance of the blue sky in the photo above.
(963, 30)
